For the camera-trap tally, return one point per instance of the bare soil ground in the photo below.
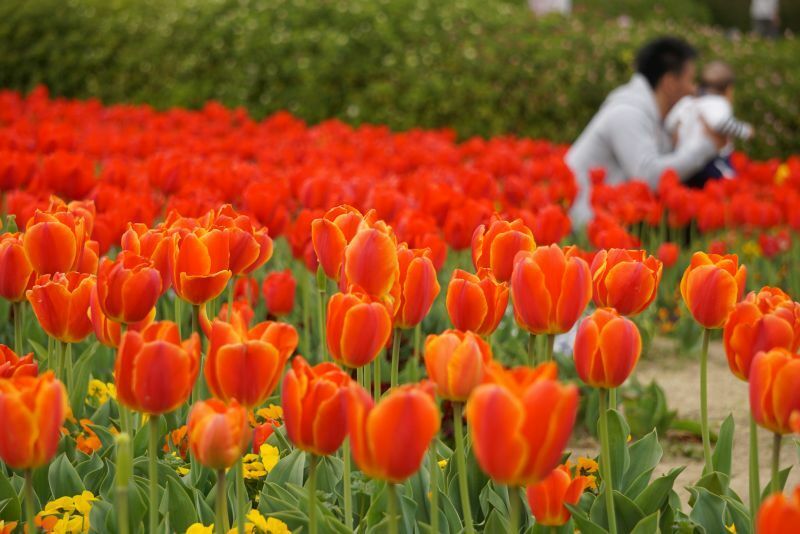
(679, 376)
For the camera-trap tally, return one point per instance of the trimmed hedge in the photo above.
(483, 68)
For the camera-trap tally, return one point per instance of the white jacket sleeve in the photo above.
(634, 144)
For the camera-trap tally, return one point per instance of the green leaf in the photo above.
(628, 514)
(708, 510)
(82, 369)
(618, 433)
(644, 457)
(496, 522)
(11, 510)
(648, 525)
(783, 474)
(180, 506)
(289, 469)
(739, 514)
(723, 450)
(448, 515)
(716, 483)
(64, 480)
(585, 525)
(654, 496)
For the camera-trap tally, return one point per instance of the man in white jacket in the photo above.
(627, 137)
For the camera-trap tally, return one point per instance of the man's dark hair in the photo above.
(663, 55)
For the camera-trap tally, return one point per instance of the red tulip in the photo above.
(497, 247)
(279, 292)
(12, 365)
(775, 389)
(128, 287)
(16, 272)
(626, 280)
(711, 286)
(61, 304)
(219, 433)
(607, 348)
(548, 497)
(456, 363)
(357, 328)
(780, 514)
(418, 286)
(476, 302)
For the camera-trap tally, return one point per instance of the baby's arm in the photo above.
(733, 127)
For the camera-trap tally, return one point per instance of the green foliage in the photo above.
(482, 68)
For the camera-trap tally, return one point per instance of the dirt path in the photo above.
(679, 375)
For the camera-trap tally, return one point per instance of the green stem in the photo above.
(219, 522)
(30, 502)
(755, 483)
(321, 285)
(434, 488)
(241, 494)
(17, 311)
(368, 376)
(312, 495)
(153, 473)
(461, 465)
(513, 501)
(531, 349)
(306, 290)
(348, 492)
(199, 385)
(377, 381)
(393, 521)
(548, 355)
(231, 288)
(709, 463)
(776, 459)
(124, 471)
(605, 465)
(66, 348)
(417, 343)
(612, 398)
(396, 357)
(178, 314)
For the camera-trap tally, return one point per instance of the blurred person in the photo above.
(545, 7)
(766, 18)
(713, 107)
(627, 137)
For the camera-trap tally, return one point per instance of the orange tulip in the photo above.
(711, 286)
(775, 389)
(61, 304)
(33, 410)
(550, 287)
(381, 450)
(371, 261)
(548, 497)
(314, 406)
(418, 286)
(763, 321)
(496, 248)
(12, 365)
(357, 328)
(128, 287)
(108, 332)
(780, 514)
(455, 362)
(218, 433)
(668, 254)
(155, 371)
(520, 423)
(16, 272)
(152, 244)
(279, 291)
(53, 242)
(331, 234)
(200, 265)
(249, 248)
(607, 348)
(246, 365)
(476, 302)
(626, 280)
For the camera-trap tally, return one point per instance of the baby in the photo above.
(711, 109)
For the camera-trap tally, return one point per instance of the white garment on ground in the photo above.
(686, 118)
(544, 7)
(627, 138)
(763, 9)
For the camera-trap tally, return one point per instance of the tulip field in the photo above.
(217, 324)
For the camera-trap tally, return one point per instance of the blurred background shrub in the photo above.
(482, 68)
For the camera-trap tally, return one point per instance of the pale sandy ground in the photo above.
(679, 376)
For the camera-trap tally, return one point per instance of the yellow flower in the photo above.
(442, 464)
(269, 456)
(71, 525)
(592, 482)
(587, 465)
(199, 528)
(58, 506)
(102, 391)
(751, 249)
(731, 528)
(276, 526)
(182, 471)
(258, 521)
(781, 175)
(83, 502)
(273, 411)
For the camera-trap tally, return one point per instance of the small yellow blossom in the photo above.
(587, 465)
(58, 506)
(83, 502)
(751, 249)
(731, 528)
(269, 456)
(273, 411)
(102, 391)
(781, 175)
(199, 528)
(629, 438)
(442, 464)
(182, 471)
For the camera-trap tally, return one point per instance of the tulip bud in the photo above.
(16, 272)
(711, 286)
(418, 286)
(476, 302)
(358, 328)
(279, 291)
(779, 514)
(774, 387)
(548, 497)
(607, 348)
(455, 362)
(218, 433)
(496, 248)
(626, 280)
(61, 303)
